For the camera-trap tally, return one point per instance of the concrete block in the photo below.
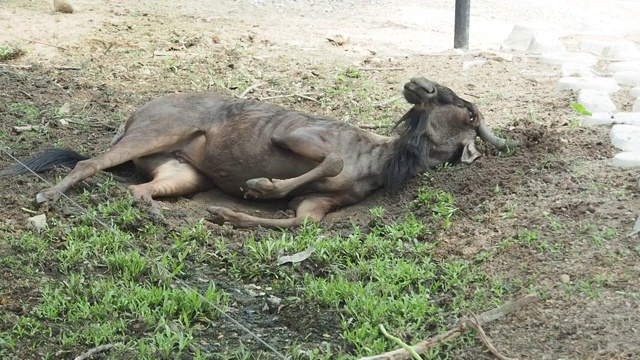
(608, 85)
(545, 43)
(627, 78)
(606, 47)
(625, 137)
(629, 118)
(627, 159)
(627, 55)
(559, 58)
(596, 101)
(520, 36)
(572, 69)
(623, 66)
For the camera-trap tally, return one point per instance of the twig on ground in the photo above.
(250, 89)
(306, 97)
(482, 319)
(276, 97)
(95, 350)
(43, 43)
(389, 101)
(380, 68)
(17, 66)
(375, 127)
(484, 338)
(68, 68)
(24, 128)
(400, 343)
(287, 95)
(26, 94)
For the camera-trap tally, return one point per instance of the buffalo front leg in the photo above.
(305, 142)
(306, 207)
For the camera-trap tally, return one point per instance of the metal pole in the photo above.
(461, 31)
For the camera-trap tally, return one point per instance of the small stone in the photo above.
(629, 118)
(38, 222)
(565, 278)
(474, 63)
(62, 6)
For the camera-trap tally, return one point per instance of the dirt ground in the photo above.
(110, 57)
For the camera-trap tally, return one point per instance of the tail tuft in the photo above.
(45, 161)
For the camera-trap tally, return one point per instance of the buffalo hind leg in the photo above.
(304, 142)
(170, 177)
(306, 207)
(127, 149)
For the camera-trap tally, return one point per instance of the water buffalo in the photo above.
(188, 143)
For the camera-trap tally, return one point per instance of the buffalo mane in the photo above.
(411, 150)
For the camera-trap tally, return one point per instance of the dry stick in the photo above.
(401, 343)
(484, 338)
(95, 350)
(484, 318)
(375, 127)
(308, 98)
(250, 89)
(43, 43)
(17, 66)
(68, 68)
(380, 68)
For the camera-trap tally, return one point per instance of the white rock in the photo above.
(596, 101)
(473, 63)
(627, 77)
(572, 69)
(520, 36)
(559, 58)
(636, 106)
(635, 92)
(627, 55)
(38, 222)
(625, 137)
(629, 118)
(597, 83)
(627, 159)
(606, 47)
(544, 43)
(624, 66)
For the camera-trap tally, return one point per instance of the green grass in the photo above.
(90, 286)
(10, 51)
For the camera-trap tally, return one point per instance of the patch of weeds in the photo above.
(574, 123)
(439, 202)
(27, 114)
(510, 212)
(11, 51)
(384, 276)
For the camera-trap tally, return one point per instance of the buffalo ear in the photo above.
(470, 153)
